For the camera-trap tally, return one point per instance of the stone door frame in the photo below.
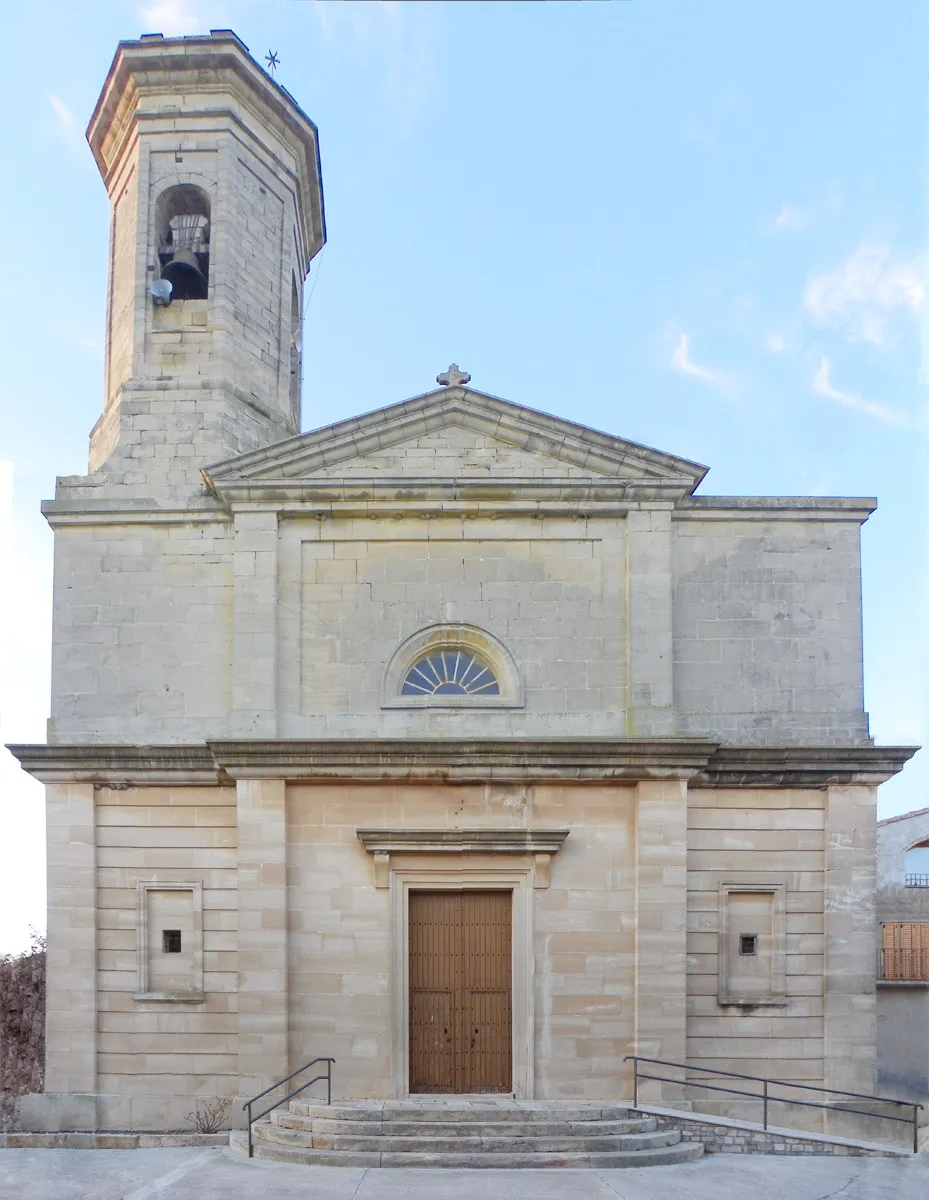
(437, 873)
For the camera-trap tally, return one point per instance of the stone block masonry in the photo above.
(739, 1137)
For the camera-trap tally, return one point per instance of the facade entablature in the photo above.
(698, 761)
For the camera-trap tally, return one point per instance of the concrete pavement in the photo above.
(184, 1174)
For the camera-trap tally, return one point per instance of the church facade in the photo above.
(458, 742)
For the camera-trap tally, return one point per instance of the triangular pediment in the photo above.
(456, 451)
(456, 434)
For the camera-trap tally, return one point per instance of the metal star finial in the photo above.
(453, 377)
(272, 60)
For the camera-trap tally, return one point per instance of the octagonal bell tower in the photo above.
(216, 213)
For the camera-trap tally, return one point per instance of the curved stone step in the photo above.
(499, 1143)
(392, 1128)
(663, 1156)
(462, 1111)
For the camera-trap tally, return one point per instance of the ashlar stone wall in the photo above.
(341, 934)
(289, 893)
(197, 623)
(160, 1055)
(142, 623)
(767, 629)
(757, 837)
(552, 592)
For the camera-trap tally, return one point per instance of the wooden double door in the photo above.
(460, 958)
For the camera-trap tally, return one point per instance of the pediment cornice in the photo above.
(598, 465)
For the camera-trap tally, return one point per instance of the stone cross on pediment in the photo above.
(453, 377)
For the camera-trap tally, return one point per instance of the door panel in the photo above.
(432, 1041)
(460, 992)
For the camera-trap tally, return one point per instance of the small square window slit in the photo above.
(169, 942)
(748, 943)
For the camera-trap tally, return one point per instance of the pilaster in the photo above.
(649, 631)
(254, 626)
(262, 884)
(850, 964)
(661, 922)
(71, 988)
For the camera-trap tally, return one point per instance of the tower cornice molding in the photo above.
(213, 64)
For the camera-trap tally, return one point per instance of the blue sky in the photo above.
(696, 225)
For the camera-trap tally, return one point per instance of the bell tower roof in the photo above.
(155, 82)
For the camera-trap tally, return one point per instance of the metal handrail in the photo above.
(764, 1096)
(327, 1075)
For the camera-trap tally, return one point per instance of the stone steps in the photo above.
(457, 1111)
(502, 1133)
(499, 1142)
(456, 1129)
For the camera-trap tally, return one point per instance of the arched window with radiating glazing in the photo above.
(452, 666)
(453, 672)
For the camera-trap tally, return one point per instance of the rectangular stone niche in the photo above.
(170, 942)
(752, 966)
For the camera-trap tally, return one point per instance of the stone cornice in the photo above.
(450, 497)
(585, 760)
(541, 843)
(802, 766)
(762, 508)
(466, 760)
(441, 498)
(459, 841)
(121, 766)
(126, 511)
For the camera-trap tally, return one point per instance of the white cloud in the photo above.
(776, 343)
(791, 219)
(67, 125)
(66, 118)
(681, 361)
(823, 386)
(864, 293)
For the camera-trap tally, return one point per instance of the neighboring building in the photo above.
(903, 971)
(456, 741)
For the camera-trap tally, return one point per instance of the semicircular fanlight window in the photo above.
(450, 673)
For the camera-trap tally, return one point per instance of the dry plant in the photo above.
(210, 1118)
(22, 1026)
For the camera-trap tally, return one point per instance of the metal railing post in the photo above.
(247, 1106)
(765, 1095)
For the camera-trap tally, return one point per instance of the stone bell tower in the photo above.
(217, 211)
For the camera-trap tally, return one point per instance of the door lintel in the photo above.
(541, 843)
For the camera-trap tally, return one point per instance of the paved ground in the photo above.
(180, 1174)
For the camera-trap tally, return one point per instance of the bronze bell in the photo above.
(188, 234)
(183, 273)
